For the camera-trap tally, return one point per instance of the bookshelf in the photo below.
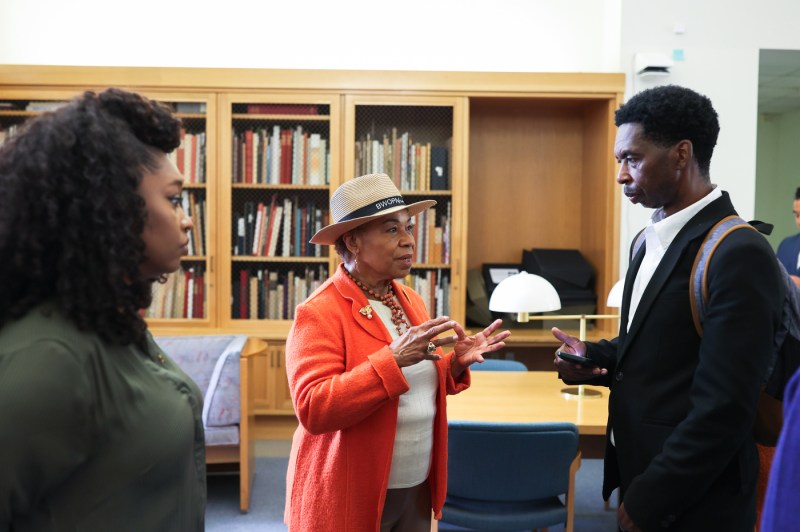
(419, 142)
(279, 164)
(528, 164)
(187, 298)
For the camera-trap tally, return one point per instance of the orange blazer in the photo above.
(345, 386)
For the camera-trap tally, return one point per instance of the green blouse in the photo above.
(95, 436)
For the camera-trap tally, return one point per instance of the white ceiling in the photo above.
(779, 81)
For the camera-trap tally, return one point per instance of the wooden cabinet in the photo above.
(272, 395)
(528, 157)
(542, 175)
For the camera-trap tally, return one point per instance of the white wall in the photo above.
(721, 45)
(496, 35)
(768, 179)
(778, 172)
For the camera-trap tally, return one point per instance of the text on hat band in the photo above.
(374, 208)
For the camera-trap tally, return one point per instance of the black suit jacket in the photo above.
(681, 407)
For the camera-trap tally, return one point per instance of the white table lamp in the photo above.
(526, 293)
(523, 294)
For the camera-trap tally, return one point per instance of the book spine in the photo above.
(257, 232)
(248, 156)
(199, 305)
(243, 293)
(188, 211)
(286, 250)
(275, 161)
(253, 297)
(201, 237)
(276, 224)
(179, 153)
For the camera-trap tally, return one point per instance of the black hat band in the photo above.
(375, 208)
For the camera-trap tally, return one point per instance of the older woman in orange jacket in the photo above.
(369, 378)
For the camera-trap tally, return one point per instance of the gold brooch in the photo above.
(367, 311)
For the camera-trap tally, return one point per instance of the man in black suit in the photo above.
(681, 405)
(789, 248)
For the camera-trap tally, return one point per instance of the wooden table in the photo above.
(533, 396)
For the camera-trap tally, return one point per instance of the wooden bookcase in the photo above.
(397, 125)
(528, 155)
(284, 183)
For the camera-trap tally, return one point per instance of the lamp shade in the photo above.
(615, 294)
(524, 292)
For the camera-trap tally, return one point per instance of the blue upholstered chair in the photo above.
(517, 485)
(498, 364)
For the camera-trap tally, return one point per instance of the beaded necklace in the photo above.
(388, 299)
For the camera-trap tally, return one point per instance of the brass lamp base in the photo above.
(580, 391)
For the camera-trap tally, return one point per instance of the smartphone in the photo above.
(577, 359)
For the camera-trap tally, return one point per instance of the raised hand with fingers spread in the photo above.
(415, 345)
(470, 349)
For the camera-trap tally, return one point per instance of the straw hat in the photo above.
(362, 200)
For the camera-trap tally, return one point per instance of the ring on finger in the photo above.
(431, 347)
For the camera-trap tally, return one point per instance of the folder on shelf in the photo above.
(439, 168)
(566, 269)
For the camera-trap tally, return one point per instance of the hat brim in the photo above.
(330, 234)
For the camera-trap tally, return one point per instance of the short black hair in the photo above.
(797, 194)
(71, 216)
(341, 247)
(670, 114)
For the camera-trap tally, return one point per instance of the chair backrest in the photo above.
(526, 461)
(498, 364)
(212, 362)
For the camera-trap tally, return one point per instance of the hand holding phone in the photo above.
(577, 359)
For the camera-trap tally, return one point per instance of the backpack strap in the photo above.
(698, 292)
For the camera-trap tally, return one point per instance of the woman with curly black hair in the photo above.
(100, 429)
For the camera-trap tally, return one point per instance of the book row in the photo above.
(279, 228)
(279, 108)
(412, 165)
(280, 156)
(190, 157)
(262, 293)
(434, 287)
(194, 205)
(8, 132)
(189, 107)
(181, 296)
(432, 235)
(41, 107)
(52, 105)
